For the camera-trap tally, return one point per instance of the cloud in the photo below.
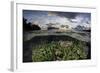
(61, 18)
(50, 18)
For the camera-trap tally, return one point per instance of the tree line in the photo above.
(28, 26)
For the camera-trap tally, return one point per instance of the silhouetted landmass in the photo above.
(49, 28)
(87, 30)
(82, 28)
(35, 27)
(29, 26)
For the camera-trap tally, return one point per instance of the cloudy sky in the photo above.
(62, 18)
